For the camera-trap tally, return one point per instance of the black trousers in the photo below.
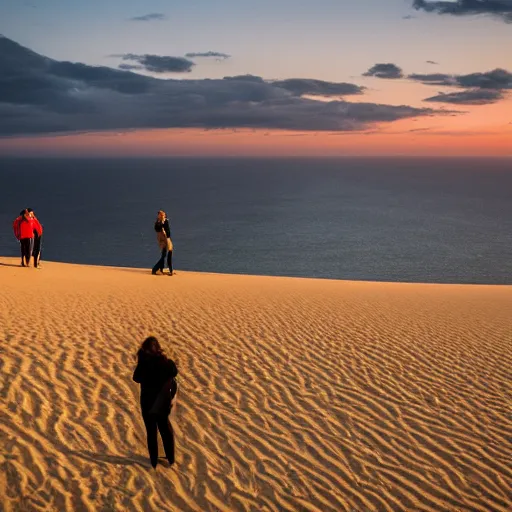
(36, 253)
(161, 262)
(27, 246)
(163, 424)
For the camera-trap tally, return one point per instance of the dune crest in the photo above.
(296, 394)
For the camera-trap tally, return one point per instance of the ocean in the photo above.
(434, 220)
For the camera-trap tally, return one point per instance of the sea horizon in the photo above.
(383, 219)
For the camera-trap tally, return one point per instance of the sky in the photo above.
(266, 78)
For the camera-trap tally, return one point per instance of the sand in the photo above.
(295, 394)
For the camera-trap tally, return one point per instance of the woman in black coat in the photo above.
(163, 237)
(156, 373)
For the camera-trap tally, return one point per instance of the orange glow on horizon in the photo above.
(479, 131)
(399, 140)
(484, 130)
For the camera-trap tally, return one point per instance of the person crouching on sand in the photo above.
(163, 236)
(156, 373)
(38, 233)
(24, 227)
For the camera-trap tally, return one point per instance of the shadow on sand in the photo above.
(103, 458)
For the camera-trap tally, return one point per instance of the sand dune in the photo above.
(296, 394)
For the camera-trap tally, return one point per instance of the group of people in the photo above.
(155, 372)
(29, 232)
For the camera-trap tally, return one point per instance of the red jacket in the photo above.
(24, 228)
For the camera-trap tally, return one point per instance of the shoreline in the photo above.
(12, 261)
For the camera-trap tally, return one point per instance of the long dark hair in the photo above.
(23, 213)
(150, 348)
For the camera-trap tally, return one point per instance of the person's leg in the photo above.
(167, 433)
(169, 262)
(22, 249)
(151, 425)
(162, 259)
(160, 263)
(36, 253)
(26, 252)
(30, 250)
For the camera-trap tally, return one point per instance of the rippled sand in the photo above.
(296, 394)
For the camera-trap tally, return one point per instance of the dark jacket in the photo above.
(38, 229)
(152, 372)
(163, 225)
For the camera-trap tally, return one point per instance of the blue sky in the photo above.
(325, 39)
(328, 40)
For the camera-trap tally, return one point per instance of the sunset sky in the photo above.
(239, 77)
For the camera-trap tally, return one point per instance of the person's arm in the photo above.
(38, 227)
(16, 227)
(138, 373)
(158, 226)
(167, 228)
(172, 370)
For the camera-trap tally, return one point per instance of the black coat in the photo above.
(152, 372)
(159, 225)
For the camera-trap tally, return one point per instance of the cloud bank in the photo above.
(496, 79)
(311, 87)
(434, 79)
(499, 8)
(387, 70)
(40, 95)
(481, 88)
(470, 97)
(158, 63)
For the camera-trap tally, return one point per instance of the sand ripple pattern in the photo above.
(296, 394)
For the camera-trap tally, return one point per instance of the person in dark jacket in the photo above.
(163, 235)
(156, 373)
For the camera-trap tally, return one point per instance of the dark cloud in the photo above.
(432, 62)
(154, 16)
(40, 95)
(245, 78)
(160, 63)
(216, 55)
(129, 67)
(480, 88)
(495, 79)
(434, 79)
(387, 70)
(311, 87)
(32, 77)
(498, 79)
(469, 97)
(499, 8)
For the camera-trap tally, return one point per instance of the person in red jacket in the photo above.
(24, 227)
(38, 233)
